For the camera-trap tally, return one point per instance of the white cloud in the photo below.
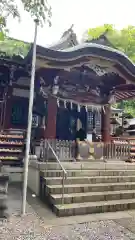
(83, 14)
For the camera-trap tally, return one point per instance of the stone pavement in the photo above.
(41, 224)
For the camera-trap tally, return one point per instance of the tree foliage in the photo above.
(128, 106)
(12, 47)
(38, 9)
(124, 40)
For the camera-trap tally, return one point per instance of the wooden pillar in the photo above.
(50, 131)
(106, 112)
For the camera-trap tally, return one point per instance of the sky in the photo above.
(83, 14)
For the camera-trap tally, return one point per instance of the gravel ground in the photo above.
(32, 226)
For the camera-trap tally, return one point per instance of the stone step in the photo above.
(115, 165)
(90, 187)
(77, 188)
(86, 172)
(94, 207)
(92, 196)
(87, 180)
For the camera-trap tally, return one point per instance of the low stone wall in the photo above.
(15, 173)
(33, 178)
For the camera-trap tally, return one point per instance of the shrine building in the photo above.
(75, 85)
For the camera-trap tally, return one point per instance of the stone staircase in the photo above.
(89, 187)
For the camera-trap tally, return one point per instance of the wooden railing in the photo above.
(65, 150)
(117, 149)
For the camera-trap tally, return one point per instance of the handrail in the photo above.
(65, 172)
(63, 169)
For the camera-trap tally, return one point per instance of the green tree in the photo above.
(12, 47)
(38, 9)
(128, 106)
(94, 33)
(124, 40)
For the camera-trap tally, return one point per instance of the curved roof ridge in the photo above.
(96, 45)
(80, 53)
(67, 40)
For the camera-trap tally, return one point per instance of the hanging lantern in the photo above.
(65, 104)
